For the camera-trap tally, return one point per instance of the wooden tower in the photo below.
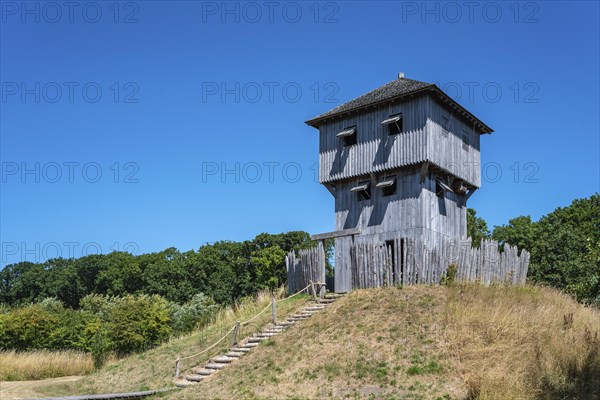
(401, 161)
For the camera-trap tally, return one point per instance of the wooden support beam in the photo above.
(336, 234)
(470, 193)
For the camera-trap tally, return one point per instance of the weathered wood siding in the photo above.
(375, 150)
(413, 208)
(419, 261)
(455, 149)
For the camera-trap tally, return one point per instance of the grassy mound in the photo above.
(463, 342)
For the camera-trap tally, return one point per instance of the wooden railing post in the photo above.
(177, 365)
(274, 310)
(236, 328)
(322, 291)
(312, 289)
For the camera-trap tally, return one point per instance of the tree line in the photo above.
(564, 246)
(225, 271)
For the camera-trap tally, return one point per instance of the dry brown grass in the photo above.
(155, 368)
(32, 365)
(523, 343)
(420, 342)
(449, 342)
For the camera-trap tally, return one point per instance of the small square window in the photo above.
(441, 187)
(349, 136)
(387, 186)
(394, 124)
(362, 190)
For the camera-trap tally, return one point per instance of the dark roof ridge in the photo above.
(391, 91)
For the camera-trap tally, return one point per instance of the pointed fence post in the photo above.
(177, 364)
(274, 310)
(236, 328)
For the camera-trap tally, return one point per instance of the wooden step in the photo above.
(203, 371)
(250, 345)
(222, 360)
(240, 349)
(235, 354)
(256, 339)
(183, 383)
(302, 315)
(273, 331)
(313, 308)
(286, 324)
(266, 335)
(194, 378)
(327, 301)
(215, 366)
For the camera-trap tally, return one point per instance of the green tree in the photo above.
(22, 283)
(122, 275)
(166, 274)
(62, 282)
(520, 232)
(269, 264)
(477, 228)
(565, 243)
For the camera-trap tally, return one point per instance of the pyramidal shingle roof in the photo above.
(393, 90)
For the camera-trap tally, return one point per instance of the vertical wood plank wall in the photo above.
(414, 208)
(412, 261)
(306, 266)
(454, 149)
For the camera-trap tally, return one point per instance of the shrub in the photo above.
(101, 347)
(27, 328)
(137, 323)
(197, 312)
(74, 331)
(450, 275)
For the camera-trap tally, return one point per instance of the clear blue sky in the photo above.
(161, 97)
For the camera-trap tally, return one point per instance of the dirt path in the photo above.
(31, 389)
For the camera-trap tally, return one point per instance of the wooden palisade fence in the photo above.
(414, 261)
(305, 267)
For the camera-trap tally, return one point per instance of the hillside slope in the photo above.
(426, 343)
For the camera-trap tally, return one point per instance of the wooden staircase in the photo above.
(215, 364)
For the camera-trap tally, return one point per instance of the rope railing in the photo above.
(210, 347)
(294, 295)
(257, 315)
(235, 328)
